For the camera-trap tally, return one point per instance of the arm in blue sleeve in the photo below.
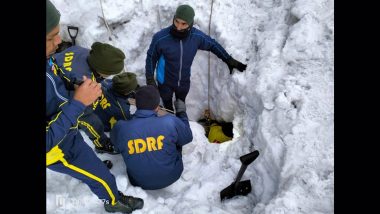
(210, 44)
(151, 58)
(185, 135)
(61, 123)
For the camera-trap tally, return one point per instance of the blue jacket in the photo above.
(174, 57)
(62, 113)
(73, 62)
(151, 147)
(112, 107)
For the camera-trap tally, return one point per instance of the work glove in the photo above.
(180, 106)
(233, 63)
(151, 81)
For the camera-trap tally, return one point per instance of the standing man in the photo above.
(151, 145)
(66, 151)
(172, 52)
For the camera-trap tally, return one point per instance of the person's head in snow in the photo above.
(151, 145)
(171, 54)
(66, 150)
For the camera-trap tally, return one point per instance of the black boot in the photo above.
(108, 163)
(126, 204)
(107, 147)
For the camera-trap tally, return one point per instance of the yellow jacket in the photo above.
(216, 134)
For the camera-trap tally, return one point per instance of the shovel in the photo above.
(73, 34)
(240, 187)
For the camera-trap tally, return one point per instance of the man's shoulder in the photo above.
(72, 53)
(162, 33)
(195, 30)
(74, 49)
(170, 118)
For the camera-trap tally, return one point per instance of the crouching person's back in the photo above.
(150, 145)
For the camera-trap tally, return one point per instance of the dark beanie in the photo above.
(52, 17)
(106, 59)
(186, 13)
(147, 97)
(124, 83)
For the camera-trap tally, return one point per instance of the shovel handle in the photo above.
(249, 158)
(246, 160)
(76, 33)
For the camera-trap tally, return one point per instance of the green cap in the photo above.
(52, 17)
(124, 83)
(106, 59)
(186, 13)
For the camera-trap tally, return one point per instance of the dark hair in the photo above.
(227, 129)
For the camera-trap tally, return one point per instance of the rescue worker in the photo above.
(151, 145)
(171, 54)
(66, 151)
(98, 63)
(116, 94)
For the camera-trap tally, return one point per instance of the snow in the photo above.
(282, 105)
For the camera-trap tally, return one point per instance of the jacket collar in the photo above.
(141, 113)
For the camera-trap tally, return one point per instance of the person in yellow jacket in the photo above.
(220, 132)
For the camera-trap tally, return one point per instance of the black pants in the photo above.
(166, 93)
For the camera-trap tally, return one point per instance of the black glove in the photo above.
(233, 63)
(151, 81)
(108, 163)
(180, 106)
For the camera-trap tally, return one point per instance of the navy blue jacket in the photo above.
(73, 61)
(62, 114)
(151, 147)
(174, 57)
(112, 107)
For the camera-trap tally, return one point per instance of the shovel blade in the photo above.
(242, 188)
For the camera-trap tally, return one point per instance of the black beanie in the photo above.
(147, 97)
(106, 59)
(52, 17)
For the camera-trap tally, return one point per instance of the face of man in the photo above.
(53, 39)
(180, 24)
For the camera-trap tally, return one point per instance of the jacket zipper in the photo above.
(180, 62)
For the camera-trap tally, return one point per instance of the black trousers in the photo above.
(166, 93)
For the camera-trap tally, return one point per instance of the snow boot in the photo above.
(107, 147)
(108, 163)
(126, 204)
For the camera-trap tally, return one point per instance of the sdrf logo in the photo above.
(68, 60)
(140, 145)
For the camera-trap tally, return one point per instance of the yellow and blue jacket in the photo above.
(151, 147)
(113, 106)
(73, 62)
(62, 116)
